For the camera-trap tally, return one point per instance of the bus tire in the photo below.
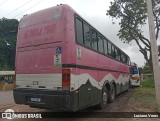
(103, 104)
(112, 93)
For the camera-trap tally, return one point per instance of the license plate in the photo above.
(35, 99)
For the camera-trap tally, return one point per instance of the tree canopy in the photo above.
(133, 16)
(8, 37)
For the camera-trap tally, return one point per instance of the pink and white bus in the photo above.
(63, 62)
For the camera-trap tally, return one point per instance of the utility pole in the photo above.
(154, 51)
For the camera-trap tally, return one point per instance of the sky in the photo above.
(93, 11)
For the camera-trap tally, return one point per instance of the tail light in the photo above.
(66, 79)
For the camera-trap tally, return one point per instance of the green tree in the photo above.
(146, 69)
(133, 16)
(8, 37)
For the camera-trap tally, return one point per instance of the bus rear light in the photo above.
(66, 79)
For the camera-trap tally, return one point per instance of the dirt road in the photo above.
(123, 103)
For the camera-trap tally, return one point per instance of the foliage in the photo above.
(149, 83)
(1, 78)
(8, 36)
(133, 16)
(147, 70)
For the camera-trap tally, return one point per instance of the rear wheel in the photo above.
(104, 98)
(112, 93)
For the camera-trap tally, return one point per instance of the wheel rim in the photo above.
(105, 98)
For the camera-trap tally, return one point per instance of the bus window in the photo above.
(125, 59)
(128, 61)
(105, 47)
(79, 31)
(109, 49)
(94, 40)
(118, 54)
(113, 53)
(87, 36)
(134, 70)
(100, 44)
(122, 57)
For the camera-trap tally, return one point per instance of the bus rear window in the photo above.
(134, 70)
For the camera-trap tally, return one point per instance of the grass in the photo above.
(146, 94)
(148, 83)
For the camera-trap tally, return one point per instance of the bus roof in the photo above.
(42, 16)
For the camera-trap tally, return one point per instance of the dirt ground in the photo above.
(6, 87)
(123, 103)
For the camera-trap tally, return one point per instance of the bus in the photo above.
(63, 62)
(135, 79)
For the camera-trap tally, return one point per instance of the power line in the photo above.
(19, 7)
(3, 2)
(28, 8)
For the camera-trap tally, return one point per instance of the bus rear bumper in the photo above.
(47, 99)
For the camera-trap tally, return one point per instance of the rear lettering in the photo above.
(49, 29)
(39, 31)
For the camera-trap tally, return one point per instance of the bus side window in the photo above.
(113, 53)
(100, 44)
(94, 40)
(79, 31)
(87, 35)
(128, 61)
(119, 54)
(116, 54)
(105, 47)
(122, 57)
(109, 49)
(125, 59)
